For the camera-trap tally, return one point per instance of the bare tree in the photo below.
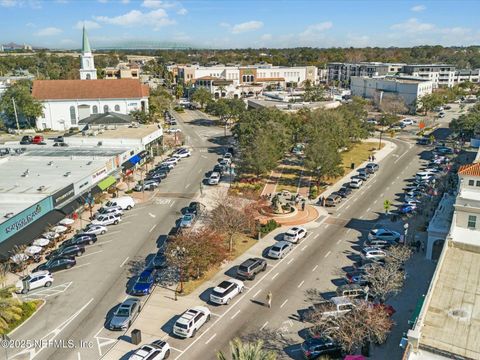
(392, 104)
(399, 254)
(384, 280)
(232, 216)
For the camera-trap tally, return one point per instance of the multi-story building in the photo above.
(409, 89)
(342, 72)
(441, 75)
(123, 71)
(447, 325)
(472, 75)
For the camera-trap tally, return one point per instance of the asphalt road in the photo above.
(78, 302)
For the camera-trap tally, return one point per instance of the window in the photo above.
(95, 109)
(117, 107)
(73, 115)
(88, 77)
(105, 108)
(477, 183)
(471, 183)
(472, 222)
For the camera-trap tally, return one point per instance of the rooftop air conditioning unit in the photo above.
(41, 188)
(67, 174)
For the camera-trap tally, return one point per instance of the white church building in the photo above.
(66, 102)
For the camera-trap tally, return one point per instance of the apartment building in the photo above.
(447, 326)
(441, 75)
(342, 72)
(471, 75)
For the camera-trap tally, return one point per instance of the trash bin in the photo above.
(352, 166)
(136, 336)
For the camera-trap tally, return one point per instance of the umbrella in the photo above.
(41, 242)
(59, 229)
(32, 250)
(19, 258)
(66, 222)
(355, 357)
(50, 235)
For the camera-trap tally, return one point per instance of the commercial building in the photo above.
(409, 89)
(41, 184)
(448, 325)
(441, 75)
(343, 72)
(122, 71)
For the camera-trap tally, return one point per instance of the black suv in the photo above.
(81, 239)
(26, 140)
(194, 208)
(251, 267)
(66, 251)
(314, 348)
(344, 192)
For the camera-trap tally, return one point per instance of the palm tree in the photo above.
(10, 309)
(247, 351)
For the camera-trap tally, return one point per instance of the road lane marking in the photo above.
(301, 283)
(263, 326)
(93, 253)
(73, 268)
(211, 338)
(304, 247)
(235, 315)
(152, 215)
(173, 202)
(274, 276)
(124, 261)
(283, 304)
(368, 210)
(315, 268)
(327, 254)
(258, 292)
(101, 242)
(153, 227)
(289, 261)
(339, 241)
(187, 186)
(316, 236)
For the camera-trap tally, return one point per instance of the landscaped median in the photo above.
(14, 312)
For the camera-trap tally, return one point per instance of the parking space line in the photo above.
(180, 351)
(289, 261)
(327, 254)
(274, 276)
(283, 304)
(301, 283)
(258, 292)
(235, 315)
(153, 227)
(263, 326)
(315, 268)
(73, 268)
(187, 186)
(93, 253)
(124, 261)
(173, 202)
(211, 338)
(101, 242)
(316, 236)
(304, 247)
(368, 210)
(218, 315)
(339, 241)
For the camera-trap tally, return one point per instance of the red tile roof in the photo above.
(470, 169)
(89, 89)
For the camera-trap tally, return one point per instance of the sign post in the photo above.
(386, 206)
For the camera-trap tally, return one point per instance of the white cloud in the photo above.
(316, 29)
(418, 8)
(125, 1)
(103, 1)
(155, 19)
(412, 25)
(266, 37)
(9, 3)
(48, 31)
(182, 11)
(68, 42)
(247, 26)
(34, 4)
(30, 25)
(157, 4)
(224, 24)
(89, 25)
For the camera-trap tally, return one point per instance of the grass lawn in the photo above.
(242, 244)
(358, 154)
(29, 308)
(290, 177)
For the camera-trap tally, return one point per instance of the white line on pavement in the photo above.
(327, 254)
(316, 236)
(301, 283)
(382, 194)
(214, 314)
(304, 247)
(339, 241)
(187, 186)
(274, 276)
(283, 304)
(368, 210)
(102, 242)
(152, 215)
(124, 261)
(326, 226)
(258, 292)
(263, 326)
(78, 356)
(289, 261)
(93, 253)
(153, 227)
(235, 315)
(211, 338)
(73, 268)
(180, 351)
(173, 202)
(315, 268)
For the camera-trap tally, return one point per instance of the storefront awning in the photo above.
(79, 201)
(106, 183)
(416, 312)
(135, 159)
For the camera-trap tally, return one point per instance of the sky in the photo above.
(240, 24)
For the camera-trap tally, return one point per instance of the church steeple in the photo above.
(87, 66)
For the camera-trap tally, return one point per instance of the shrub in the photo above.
(129, 191)
(313, 193)
(179, 109)
(268, 227)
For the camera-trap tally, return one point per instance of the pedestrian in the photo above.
(417, 245)
(369, 157)
(303, 205)
(321, 201)
(373, 157)
(269, 299)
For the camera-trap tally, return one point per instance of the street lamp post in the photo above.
(180, 254)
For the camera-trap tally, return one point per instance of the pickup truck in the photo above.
(336, 306)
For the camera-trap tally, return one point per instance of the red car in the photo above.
(37, 139)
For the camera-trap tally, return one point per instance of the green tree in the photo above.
(323, 159)
(247, 351)
(178, 91)
(140, 116)
(160, 100)
(429, 102)
(226, 109)
(313, 92)
(467, 124)
(27, 106)
(202, 96)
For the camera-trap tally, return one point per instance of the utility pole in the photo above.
(15, 110)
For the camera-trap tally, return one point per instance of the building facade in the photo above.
(441, 75)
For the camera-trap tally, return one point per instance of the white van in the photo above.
(424, 175)
(124, 202)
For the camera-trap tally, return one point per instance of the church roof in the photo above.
(89, 89)
(85, 42)
(108, 118)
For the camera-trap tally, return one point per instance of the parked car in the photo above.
(81, 239)
(171, 161)
(373, 253)
(124, 202)
(352, 291)
(407, 209)
(214, 178)
(104, 220)
(157, 176)
(355, 183)
(372, 168)
(125, 314)
(191, 321)
(335, 306)
(381, 244)
(157, 350)
(67, 251)
(173, 130)
(56, 264)
(383, 234)
(357, 277)
(116, 210)
(250, 268)
(182, 153)
(333, 199)
(223, 293)
(316, 347)
(344, 192)
(38, 139)
(33, 281)
(26, 140)
(372, 121)
(160, 260)
(280, 249)
(295, 234)
(220, 169)
(144, 283)
(408, 121)
(441, 114)
(363, 174)
(148, 185)
(95, 230)
(187, 220)
(195, 208)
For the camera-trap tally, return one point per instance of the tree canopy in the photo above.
(28, 108)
